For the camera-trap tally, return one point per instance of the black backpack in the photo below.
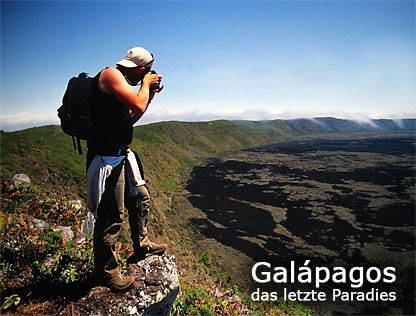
(74, 113)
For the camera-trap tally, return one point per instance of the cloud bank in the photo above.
(261, 114)
(23, 120)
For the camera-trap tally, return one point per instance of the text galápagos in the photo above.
(356, 277)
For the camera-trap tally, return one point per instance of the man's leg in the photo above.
(107, 229)
(138, 207)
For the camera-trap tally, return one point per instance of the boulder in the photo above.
(153, 292)
(37, 224)
(87, 225)
(66, 232)
(20, 178)
(75, 204)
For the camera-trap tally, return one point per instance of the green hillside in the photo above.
(47, 156)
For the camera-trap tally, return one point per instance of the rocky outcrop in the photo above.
(87, 225)
(66, 232)
(153, 292)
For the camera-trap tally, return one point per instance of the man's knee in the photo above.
(139, 202)
(143, 193)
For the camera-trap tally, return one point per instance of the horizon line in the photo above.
(367, 121)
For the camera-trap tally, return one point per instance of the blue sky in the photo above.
(220, 59)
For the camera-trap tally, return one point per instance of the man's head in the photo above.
(137, 64)
(137, 57)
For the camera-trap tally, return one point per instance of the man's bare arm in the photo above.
(136, 117)
(113, 81)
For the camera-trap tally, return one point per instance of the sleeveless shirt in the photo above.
(111, 118)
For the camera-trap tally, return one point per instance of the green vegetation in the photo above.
(206, 259)
(46, 155)
(283, 308)
(10, 301)
(37, 260)
(203, 300)
(196, 299)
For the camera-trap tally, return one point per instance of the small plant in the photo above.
(201, 300)
(206, 258)
(51, 241)
(12, 300)
(234, 290)
(282, 307)
(71, 275)
(193, 300)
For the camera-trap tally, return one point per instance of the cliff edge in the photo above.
(153, 293)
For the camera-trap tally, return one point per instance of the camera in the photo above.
(155, 86)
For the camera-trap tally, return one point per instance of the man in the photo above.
(114, 175)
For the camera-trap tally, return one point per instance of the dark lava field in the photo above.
(335, 200)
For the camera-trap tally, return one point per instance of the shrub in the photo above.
(201, 300)
(206, 259)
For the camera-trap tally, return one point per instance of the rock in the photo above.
(50, 262)
(37, 224)
(87, 225)
(20, 178)
(66, 232)
(153, 292)
(75, 204)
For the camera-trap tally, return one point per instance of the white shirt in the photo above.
(100, 169)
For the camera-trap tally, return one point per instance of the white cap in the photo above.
(137, 56)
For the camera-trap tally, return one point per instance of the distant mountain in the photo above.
(320, 125)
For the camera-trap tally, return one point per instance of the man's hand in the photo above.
(151, 79)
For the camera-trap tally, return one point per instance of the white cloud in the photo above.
(198, 115)
(261, 114)
(22, 120)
